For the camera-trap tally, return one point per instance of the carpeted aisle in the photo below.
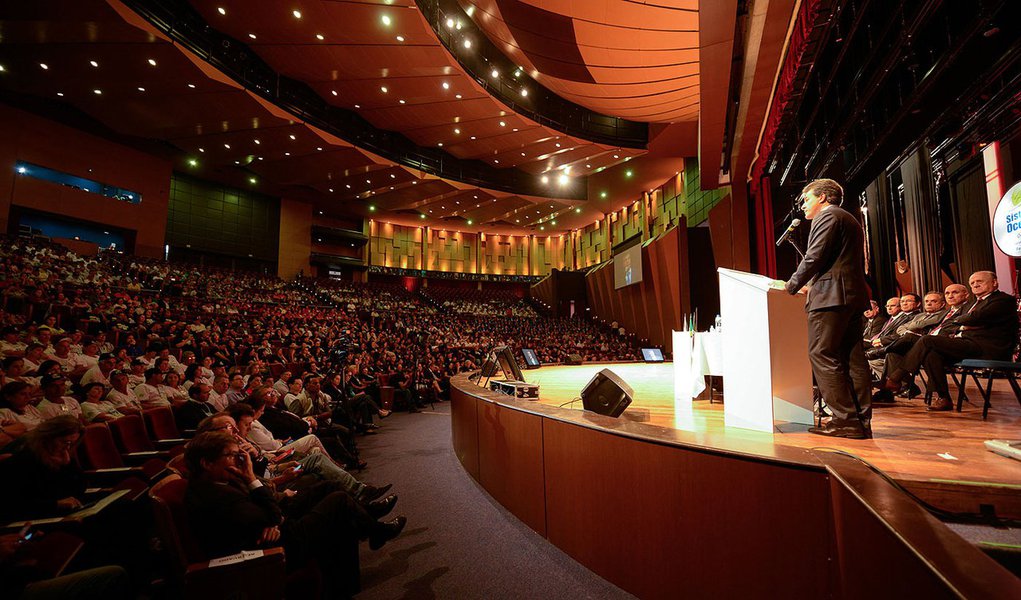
(458, 543)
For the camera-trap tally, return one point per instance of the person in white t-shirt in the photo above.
(149, 394)
(101, 372)
(10, 345)
(120, 396)
(54, 402)
(218, 395)
(95, 409)
(17, 415)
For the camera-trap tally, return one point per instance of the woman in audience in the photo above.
(16, 408)
(95, 409)
(49, 481)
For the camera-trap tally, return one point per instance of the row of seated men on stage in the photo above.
(936, 331)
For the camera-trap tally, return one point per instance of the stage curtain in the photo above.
(882, 278)
(971, 220)
(922, 221)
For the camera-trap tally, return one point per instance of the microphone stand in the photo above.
(790, 240)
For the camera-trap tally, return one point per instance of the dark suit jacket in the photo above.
(226, 518)
(993, 324)
(284, 424)
(873, 326)
(834, 263)
(895, 323)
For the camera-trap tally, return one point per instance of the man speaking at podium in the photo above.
(833, 270)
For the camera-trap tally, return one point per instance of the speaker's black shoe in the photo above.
(382, 507)
(874, 353)
(851, 432)
(909, 391)
(384, 532)
(370, 493)
(883, 397)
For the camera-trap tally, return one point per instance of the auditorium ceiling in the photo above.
(637, 60)
(381, 61)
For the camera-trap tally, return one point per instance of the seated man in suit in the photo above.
(232, 510)
(874, 322)
(907, 309)
(988, 330)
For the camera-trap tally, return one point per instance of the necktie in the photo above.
(946, 318)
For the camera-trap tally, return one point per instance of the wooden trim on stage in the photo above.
(665, 513)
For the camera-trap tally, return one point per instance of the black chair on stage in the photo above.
(988, 370)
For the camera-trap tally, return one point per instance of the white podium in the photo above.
(766, 373)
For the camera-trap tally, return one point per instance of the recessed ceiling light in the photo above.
(522, 154)
(386, 20)
(97, 92)
(495, 73)
(401, 102)
(503, 124)
(227, 146)
(152, 61)
(457, 131)
(558, 144)
(383, 89)
(473, 137)
(524, 92)
(458, 96)
(577, 210)
(616, 156)
(392, 176)
(562, 180)
(515, 129)
(251, 35)
(334, 92)
(293, 137)
(296, 13)
(141, 89)
(221, 10)
(347, 185)
(202, 149)
(191, 85)
(192, 162)
(319, 148)
(467, 43)
(44, 66)
(320, 37)
(61, 94)
(602, 194)
(496, 162)
(287, 153)
(446, 85)
(440, 144)
(545, 179)
(400, 38)
(368, 181)
(588, 166)
(93, 63)
(358, 105)
(251, 180)
(257, 141)
(450, 23)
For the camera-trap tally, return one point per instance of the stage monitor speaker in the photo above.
(607, 394)
(573, 359)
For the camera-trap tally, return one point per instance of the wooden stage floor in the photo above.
(911, 444)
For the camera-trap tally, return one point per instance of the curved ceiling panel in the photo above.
(626, 59)
(383, 61)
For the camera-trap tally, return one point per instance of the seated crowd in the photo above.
(934, 332)
(272, 383)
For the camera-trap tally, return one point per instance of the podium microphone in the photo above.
(790, 229)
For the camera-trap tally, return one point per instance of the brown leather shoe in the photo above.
(940, 403)
(889, 384)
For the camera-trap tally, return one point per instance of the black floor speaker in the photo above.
(607, 394)
(573, 359)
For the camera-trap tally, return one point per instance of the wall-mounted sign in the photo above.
(1007, 222)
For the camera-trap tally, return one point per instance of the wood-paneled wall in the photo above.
(653, 308)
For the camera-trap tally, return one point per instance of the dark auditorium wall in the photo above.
(224, 223)
(653, 308)
(33, 139)
(295, 238)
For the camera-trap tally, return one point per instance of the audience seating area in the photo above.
(154, 350)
